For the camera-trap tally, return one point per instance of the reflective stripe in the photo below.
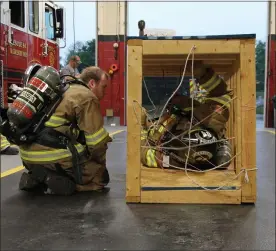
(150, 156)
(223, 100)
(48, 155)
(97, 137)
(56, 121)
(211, 83)
(161, 129)
(4, 143)
(199, 94)
(144, 134)
(193, 88)
(166, 122)
(187, 109)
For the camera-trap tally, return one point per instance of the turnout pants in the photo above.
(94, 172)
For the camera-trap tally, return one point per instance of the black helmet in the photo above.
(203, 145)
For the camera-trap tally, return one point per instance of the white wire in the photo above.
(183, 75)
(189, 132)
(144, 82)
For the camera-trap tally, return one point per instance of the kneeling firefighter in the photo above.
(59, 129)
(207, 137)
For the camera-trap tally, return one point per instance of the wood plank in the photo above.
(172, 67)
(192, 197)
(172, 70)
(201, 57)
(134, 92)
(135, 42)
(233, 133)
(178, 47)
(156, 177)
(248, 114)
(238, 117)
(183, 61)
(174, 74)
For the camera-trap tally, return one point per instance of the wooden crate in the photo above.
(234, 58)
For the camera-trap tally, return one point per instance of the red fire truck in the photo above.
(30, 33)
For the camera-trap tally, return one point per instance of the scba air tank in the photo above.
(38, 93)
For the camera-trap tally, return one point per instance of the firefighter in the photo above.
(211, 112)
(6, 148)
(72, 67)
(78, 116)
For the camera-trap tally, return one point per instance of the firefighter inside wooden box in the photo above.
(208, 144)
(67, 154)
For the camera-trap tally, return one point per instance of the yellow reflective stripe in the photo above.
(161, 129)
(96, 138)
(56, 121)
(150, 157)
(187, 109)
(192, 87)
(224, 100)
(211, 83)
(4, 143)
(48, 155)
(144, 134)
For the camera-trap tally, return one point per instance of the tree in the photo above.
(85, 50)
(260, 65)
(60, 63)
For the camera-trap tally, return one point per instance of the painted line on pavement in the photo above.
(12, 171)
(20, 168)
(265, 130)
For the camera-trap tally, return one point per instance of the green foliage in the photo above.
(85, 50)
(260, 65)
(60, 63)
(260, 110)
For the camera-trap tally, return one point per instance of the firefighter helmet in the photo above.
(203, 144)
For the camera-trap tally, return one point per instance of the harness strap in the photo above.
(54, 139)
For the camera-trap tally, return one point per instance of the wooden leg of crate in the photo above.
(248, 118)
(237, 114)
(134, 88)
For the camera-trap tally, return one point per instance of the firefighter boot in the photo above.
(10, 151)
(106, 178)
(57, 184)
(60, 185)
(27, 182)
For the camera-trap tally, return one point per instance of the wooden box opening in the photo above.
(234, 60)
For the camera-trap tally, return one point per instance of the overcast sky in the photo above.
(186, 18)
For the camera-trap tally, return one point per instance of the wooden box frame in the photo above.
(234, 58)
